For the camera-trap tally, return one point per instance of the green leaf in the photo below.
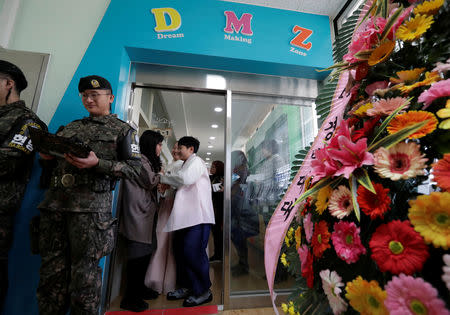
(337, 65)
(363, 178)
(390, 23)
(364, 54)
(353, 189)
(388, 120)
(384, 7)
(395, 138)
(320, 184)
(372, 7)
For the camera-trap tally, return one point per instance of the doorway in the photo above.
(174, 113)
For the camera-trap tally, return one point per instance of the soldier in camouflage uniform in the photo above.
(16, 157)
(77, 227)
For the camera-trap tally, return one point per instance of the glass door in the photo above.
(266, 134)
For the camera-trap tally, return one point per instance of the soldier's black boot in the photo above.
(132, 300)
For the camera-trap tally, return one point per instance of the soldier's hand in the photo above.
(46, 156)
(88, 162)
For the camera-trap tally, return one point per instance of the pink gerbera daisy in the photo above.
(438, 89)
(407, 295)
(346, 241)
(331, 285)
(402, 161)
(446, 269)
(308, 225)
(387, 106)
(341, 204)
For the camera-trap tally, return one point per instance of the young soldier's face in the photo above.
(97, 102)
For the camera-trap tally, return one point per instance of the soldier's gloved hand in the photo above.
(88, 162)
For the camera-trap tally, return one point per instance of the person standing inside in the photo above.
(139, 205)
(217, 173)
(16, 158)
(77, 228)
(161, 273)
(191, 219)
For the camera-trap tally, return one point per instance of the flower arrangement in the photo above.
(372, 232)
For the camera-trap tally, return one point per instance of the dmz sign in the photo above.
(236, 29)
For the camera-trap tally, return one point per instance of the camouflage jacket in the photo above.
(16, 153)
(115, 144)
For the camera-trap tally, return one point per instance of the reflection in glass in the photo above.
(265, 139)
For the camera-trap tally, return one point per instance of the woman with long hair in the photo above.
(161, 273)
(139, 206)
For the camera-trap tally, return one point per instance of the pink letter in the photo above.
(244, 23)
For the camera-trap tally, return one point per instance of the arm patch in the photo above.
(128, 146)
(19, 137)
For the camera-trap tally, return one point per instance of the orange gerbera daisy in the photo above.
(374, 205)
(366, 297)
(428, 7)
(413, 117)
(407, 75)
(381, 53)
(441, 172)
(430, 78)
(321, 238)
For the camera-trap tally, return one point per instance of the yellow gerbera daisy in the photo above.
(430, 216)
(366, 297)
(407, 75)
(444, 113)
(284, 307)
(381, 53)
(298, 237)
(430, 78)
(413, 117)
(288, 237)
(414, 28)
(323, 198)
(428, 7)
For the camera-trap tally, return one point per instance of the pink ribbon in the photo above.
(285, 212)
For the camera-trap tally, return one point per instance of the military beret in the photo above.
(93, 82)
(15, 73)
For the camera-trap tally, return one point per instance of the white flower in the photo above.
(331, 284)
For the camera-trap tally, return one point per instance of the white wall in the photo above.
(63, 29)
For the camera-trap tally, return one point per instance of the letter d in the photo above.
(160, 19)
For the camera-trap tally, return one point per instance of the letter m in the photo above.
(299, 40)
(233, 22)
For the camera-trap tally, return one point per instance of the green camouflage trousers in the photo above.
(71, 245)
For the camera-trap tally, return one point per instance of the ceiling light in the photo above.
(215, 82)
(208, 159)
(212, 138)
(218, 109)
(210, 146)
(214, 126)
(208, 153)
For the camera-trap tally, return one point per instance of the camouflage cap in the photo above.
(93, 82)
(15, 73)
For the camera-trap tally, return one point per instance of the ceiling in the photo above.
(321, 7)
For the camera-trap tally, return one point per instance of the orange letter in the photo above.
(300, 39)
